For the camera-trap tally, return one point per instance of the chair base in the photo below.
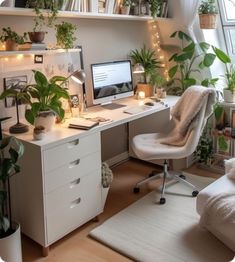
(166, 174)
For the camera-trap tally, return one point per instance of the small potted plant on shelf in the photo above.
(155, 7)
(12, 39)
(125, 7)
(65, 35)
(10, 240)
(147, 59)
(208, 13)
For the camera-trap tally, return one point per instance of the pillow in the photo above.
(230, 168)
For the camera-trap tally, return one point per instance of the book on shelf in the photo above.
(82, 123)
(164, 9)
(109, 6)
(101, 6)
(93, 6)
(116, 8)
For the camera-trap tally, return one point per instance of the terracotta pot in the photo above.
(36, 37)
(125, 10)
(45, 119)
(11, 45)
(146, 88)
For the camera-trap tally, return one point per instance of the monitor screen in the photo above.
(111, 81)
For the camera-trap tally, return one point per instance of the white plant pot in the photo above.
(229, 96)
(45, 119)
(10, 247)
(104, 194)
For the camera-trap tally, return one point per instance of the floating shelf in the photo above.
(73, 14)
(38, 52)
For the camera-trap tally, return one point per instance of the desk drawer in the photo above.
(73, 209)
(72, 171)
(70, 151)
(70, 194)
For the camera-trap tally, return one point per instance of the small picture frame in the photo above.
(74, 101)
(16, 82)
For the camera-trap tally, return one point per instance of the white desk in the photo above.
(59, 187)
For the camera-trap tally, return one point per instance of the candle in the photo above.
(141, 95)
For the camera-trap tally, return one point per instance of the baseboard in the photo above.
(118, 159)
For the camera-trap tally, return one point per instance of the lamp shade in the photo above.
(79, 76)
(138, 69)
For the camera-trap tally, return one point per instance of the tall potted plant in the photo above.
(208, 13)
(10, 242)
(147, 59)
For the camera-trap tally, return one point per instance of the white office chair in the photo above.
(155, 146)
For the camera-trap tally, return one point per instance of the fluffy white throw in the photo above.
(230, 168)
(186, 111)
(219, 209)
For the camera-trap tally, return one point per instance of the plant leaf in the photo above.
(221, 55)
(173, 71)
(209, 59)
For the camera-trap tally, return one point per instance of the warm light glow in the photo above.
(6, 59)
(19, 57)
(141, 95)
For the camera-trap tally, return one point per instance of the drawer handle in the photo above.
(74, 163)
(73, 143)
(75, 182)
(75, 202)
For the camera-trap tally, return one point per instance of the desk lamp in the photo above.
(138, 69)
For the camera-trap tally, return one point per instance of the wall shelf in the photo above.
(73, 14)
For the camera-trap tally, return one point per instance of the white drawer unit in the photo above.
(59, 187)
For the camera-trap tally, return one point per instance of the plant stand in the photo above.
(10, 247)
(208, 21)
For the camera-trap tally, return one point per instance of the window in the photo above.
(227, 9)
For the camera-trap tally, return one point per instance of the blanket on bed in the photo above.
(186, 111)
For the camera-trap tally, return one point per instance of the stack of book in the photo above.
(82, 123)
(163, 10)
(104, 6)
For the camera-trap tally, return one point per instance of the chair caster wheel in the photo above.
(195, 193)
(136, 190)
(182, 176)
(162, 201)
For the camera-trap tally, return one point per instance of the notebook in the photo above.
(82, 123)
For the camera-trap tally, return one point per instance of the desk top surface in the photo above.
(61, 133)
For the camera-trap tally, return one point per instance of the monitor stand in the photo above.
(112, 106)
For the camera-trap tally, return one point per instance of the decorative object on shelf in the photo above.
(11, 39)
(208, 13)
(44, 100)
(39, 132)
(125, 7)
(7, 3)
(65, 35)
(146, 58)
(14, 87)
(192, 57)
(41, 20)
(10, 240)
(229, 91)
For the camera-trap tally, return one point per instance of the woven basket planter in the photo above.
(208, 21)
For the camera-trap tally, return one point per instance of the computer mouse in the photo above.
(149, 104)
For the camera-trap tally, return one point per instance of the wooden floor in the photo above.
(77, 246)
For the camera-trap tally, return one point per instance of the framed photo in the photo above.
(74, 101)
(16, 82)
(223, 145)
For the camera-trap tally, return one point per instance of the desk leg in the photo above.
(45, 251)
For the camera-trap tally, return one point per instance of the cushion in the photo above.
(230, 168)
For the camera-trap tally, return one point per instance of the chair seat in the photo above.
(149, 147)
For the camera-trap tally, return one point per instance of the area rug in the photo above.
(149, 232)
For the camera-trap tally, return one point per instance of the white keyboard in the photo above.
(136, 109)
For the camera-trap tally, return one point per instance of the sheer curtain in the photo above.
(184, 13)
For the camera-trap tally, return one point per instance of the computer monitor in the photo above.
(111, 81)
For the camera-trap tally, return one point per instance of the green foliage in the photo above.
(208, 7)
(192, 58)
(8, 34)
(10, 151)
(147, 59)
(127, 2)
(65, 35)
(223, 145)
(155, 7)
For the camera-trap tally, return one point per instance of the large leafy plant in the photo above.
(10, 151)
(147, 59)
(190, 61)
(208, 7)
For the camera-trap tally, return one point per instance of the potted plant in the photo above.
(147, 59)
(10, 240)
(41, 19)
(11, 38)
(126, 6)
(155, 7)
(189, 64)
(208, 13)
(229, 90)
(65, 35)
(107, 178)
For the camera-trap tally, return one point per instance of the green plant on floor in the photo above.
(8, 34)
(11, 150)
(65, 35)
(147, 59)
(208, 7)
(204, 151)
(192, 59)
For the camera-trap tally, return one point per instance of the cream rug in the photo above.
(149, 232)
